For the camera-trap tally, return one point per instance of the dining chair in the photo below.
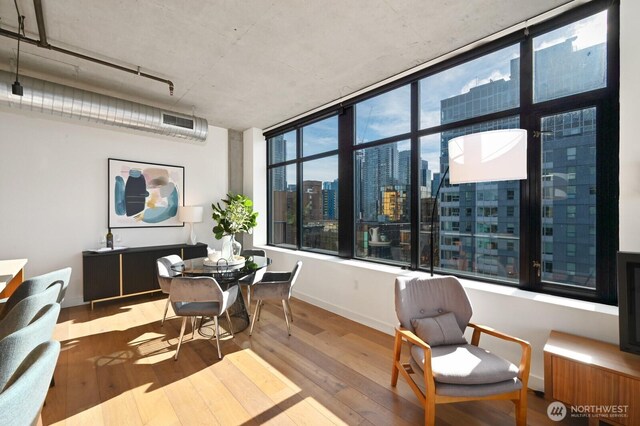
(24, 394)
(24, 312)
(201, 296)
(17, 345)
(35, 285)
(275, 286)
(165, 275)
(443, 367)
(255, 277)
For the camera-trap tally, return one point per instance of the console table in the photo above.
(130, 272)
(586, 372)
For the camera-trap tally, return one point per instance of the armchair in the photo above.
(443, 367)
(276, 286)
(36, 285)
(201, 296)
(22, 399)
(165, 274)
(254, 278)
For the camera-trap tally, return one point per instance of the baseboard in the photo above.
(347, 313)
(536, 383)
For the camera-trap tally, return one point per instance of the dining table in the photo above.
(227, 274)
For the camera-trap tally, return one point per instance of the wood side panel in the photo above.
(629, 396)
(584, 372)
(12, 285)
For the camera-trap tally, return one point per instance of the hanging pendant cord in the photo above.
(20, 34)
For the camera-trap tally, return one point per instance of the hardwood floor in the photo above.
(116, 367)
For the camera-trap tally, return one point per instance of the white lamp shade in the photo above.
(190, 214)
(488, 156)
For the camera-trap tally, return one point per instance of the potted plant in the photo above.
(235, 217)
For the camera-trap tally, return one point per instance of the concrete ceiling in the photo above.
(251, 63)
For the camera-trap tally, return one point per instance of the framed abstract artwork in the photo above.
(144, 195)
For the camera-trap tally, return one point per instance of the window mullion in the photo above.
(415, 176)
(529, 188)
(346, 199)
(299, 215)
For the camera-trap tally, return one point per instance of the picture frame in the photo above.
(144, 195)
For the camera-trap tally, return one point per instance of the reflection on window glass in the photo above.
(283, 205)
(488, 84)
(569, 191)
(382, 208)
(320, 137)
(320, 204)
(385, 115)
(571, 59)
(282, 147)
(485, 240)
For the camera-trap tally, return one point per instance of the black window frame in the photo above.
(606, 101)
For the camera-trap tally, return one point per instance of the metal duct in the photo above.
(64, 101)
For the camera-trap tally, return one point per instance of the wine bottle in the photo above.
(110, 239)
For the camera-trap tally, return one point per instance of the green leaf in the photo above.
(236, 217)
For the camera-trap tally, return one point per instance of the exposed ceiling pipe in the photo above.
(42, 32)
(137, 71)
(64, 101)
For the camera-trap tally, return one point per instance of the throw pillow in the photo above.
(440, 330)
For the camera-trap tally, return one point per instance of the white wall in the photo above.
(629, 111)
(53, 188)
(364, 292)
(254, 182)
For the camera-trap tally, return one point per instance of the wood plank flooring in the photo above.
(117, 368)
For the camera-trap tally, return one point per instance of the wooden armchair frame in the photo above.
(430, 398)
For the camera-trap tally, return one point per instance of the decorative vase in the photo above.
(227, 248)
(236, 247)
(230, 248)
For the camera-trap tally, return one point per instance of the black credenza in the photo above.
(123, 273)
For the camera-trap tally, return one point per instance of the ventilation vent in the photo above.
(64, 101)
(173, 120)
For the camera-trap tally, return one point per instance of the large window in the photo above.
(303, 177)
(383, 202)
(477, 87)
(568, 188)
(555, 232)
(477, 225)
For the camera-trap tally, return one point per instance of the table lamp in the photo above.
(190, 215)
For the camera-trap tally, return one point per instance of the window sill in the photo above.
(466, 283)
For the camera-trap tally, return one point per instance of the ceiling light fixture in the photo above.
(16, 87)
(42, 42)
